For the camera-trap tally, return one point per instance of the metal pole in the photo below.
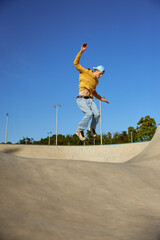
(6, 129)
(56, 123)
(101, 122)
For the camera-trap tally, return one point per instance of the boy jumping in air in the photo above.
(88, 81)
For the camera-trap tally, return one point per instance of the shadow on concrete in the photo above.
(11, 151)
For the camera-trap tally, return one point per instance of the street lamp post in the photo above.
(101, 121)
(57, 120)
(6, 129)
(49, 137)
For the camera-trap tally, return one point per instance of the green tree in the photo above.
(43, 141)
(68, 139)
(115, 138)
(89, 139)
(61, 139)
(146, 128)
(107, 138)
(75, 140)
(123, 137)
(26, 141)
(53, 140)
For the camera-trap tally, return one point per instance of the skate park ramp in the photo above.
(59, 199)
(97, 153)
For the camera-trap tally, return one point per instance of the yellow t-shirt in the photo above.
(87, 80)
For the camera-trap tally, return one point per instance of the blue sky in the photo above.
(39, 41)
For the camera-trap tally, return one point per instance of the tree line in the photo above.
(144, 131)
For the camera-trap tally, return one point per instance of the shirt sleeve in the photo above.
(97, 95)
(77, 65)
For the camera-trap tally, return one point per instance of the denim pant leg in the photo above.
(96, 115)
(85, 106)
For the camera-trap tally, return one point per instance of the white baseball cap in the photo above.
(100, 68)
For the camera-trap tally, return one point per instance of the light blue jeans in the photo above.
(89, 108)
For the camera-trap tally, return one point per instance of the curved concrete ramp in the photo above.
(151, 153)
(45, 199)
(105, 153)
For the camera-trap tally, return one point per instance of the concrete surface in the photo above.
(49, 199)
(105, 153)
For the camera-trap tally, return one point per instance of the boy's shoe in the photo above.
(81, 136)
(93, 132)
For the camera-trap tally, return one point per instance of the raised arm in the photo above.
(77, 59)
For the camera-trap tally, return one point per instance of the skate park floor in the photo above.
(68, 199)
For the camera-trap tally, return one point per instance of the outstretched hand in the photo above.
(83, 47)
(104, 100)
